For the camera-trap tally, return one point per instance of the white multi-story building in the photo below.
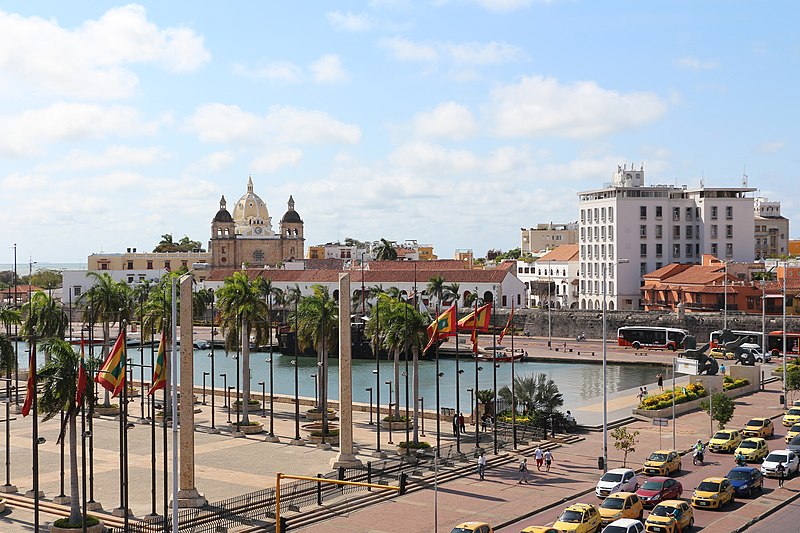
(628, 229)
(545, 237)
(772, 229)
(553, 276)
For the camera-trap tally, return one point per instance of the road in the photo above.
(690, 476)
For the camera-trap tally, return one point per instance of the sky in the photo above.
(452, 122)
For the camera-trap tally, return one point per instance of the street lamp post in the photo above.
(211, 355)
(422, 416)
(205, 375)
(263, 398)
(389, 383)
(783, 325)
(474, 412)
(316, 392)
(725, 299)
(549, 305)
(605, 355)
(369, 390)
(229, 402)
(226, 403)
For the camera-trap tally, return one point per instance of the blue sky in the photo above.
(453, 122)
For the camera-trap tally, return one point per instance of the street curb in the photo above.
(767, 513)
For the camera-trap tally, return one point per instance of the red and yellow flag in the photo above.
(31, 388)
(112, 374)
(443, 326)
(508, 324)
(160, 370)
(484, 314)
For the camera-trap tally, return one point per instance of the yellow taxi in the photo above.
(713, 493)
(792, 432)
(725, 440)
(580, 518)
(539, 529)
(664, 519)
(796, 403)
(720, 353)
(663, 463)
(791, 417)
(472, 527)
(753, 449)
(759, 427)
(621, 505)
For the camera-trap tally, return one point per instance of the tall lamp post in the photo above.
(605, 355)
(783, 325)
(211, 355)
(549, 306)
(369, 390)
(389, 383)
(725, 299)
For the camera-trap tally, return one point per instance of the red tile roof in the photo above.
(371, 277)
(565, 252)
(434, 264)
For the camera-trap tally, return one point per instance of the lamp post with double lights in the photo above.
(605, 365)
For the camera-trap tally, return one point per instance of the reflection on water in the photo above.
(577, 382)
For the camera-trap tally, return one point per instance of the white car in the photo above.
(790, 460)
(624, 525)
(617, 480)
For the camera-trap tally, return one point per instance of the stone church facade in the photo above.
(247, 238)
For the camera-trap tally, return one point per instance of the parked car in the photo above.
(725, 441)
(472, 527)
(713, 493)
(791, 417)
(747, 350)
(662, 518)
(791, 432)
(621, 505)
(624, 525)
(759, 427)
(746, 480)
(752, 449)
(579, 518)
(794, 444)
(616, 480)
(662, 463)
(658, 489)
(789, 460)
(539, 529)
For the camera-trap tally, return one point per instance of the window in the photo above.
(689, 212)
(77, 290)
(130, 265)
(659, 265)
(676, 250)
(643, 212)
(689, 232)
(643, 231)
(713, 231)
(714, 248)
(729, 231)
(659, 210)
(643, 268)
(167, 265)
(658, 231)
(610, 233)
(603, 232)
(689, 249)
(659, 249)
(596, 214)
(103, 266)
(729, 249)
(583, 216)
(595, 233)
(751, 302)
(603, 214)
(676, 213)
(676, 232)
(713, 212)
(130, 278)
(150, 265)
(697, 249)
(728, 212)
(583, 233)
(185, 264)
(642, 250)
(611, 251)
(611, 214)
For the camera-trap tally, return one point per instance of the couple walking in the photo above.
(545, 457)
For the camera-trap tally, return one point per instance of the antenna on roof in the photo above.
(744, 175)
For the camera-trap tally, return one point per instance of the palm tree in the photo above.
(452, 293)
(60, 379)
(539, 397)
(436, 288)
(43, 318)
(8, 317)
(472, 299)
(317, 321)
(242, 310)
(386, 251)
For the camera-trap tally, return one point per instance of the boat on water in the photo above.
(503, 355)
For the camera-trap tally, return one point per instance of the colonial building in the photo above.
(553, 276)
(545, 237)
(772, 230)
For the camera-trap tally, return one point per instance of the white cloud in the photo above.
(271, 162)
(448, 120)
(112, 156)
(214, 162)
(92, 61)
(405, 50)
(328, 69)
(29, 132)
(283, 71)
(542, 106)
(350, 22)
(228, 123)
(692, 63)
(429, 158)
(492, 53)
(770, 147)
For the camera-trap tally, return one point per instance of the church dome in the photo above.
(251, 212)
(291, 216)
(223, 215)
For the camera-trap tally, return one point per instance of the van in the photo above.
(749, 351)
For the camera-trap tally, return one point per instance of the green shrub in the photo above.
(64, 523)
(395, 418)
(330, 433)
(421, 445)
(660, 401)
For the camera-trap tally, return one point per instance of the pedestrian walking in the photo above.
(523, 471)
(481, 466)
(644, 391)
(640, 395)
(483, 423)
(722, 369)
(548, 460)
(781, 470)
(455, 425)
(461, 425)
(660, 379)
(539, 455)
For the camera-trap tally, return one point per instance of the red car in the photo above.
(658, 489)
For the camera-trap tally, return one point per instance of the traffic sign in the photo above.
(661, 422)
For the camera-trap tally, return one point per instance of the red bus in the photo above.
(775, 343)
(651, 337)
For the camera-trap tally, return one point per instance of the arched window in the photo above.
(488, 296)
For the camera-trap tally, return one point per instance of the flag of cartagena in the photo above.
(484, 314)
(443, 326)
(160, 370)
(508, 324)
(112, 374)
(474, 339)
(31, 388)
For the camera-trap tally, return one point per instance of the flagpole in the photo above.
(92, 401)
(152, 428)
(494, 378)
(475, 355)
(458, 395)
(513, 379)
(438, 409)
(124, 416)
(32, 372)
(83, 434)
(175, 407)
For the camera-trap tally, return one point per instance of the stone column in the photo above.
(346, 456)
(187, 493)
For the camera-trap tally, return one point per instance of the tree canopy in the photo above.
(167, 244)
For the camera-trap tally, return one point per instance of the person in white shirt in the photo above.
(539, 454)
(481, 465)
(548, 460)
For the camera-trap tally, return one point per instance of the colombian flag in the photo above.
(444, 326)
(508, 324)
(468, 323)
(160, 371)
(112, 374)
